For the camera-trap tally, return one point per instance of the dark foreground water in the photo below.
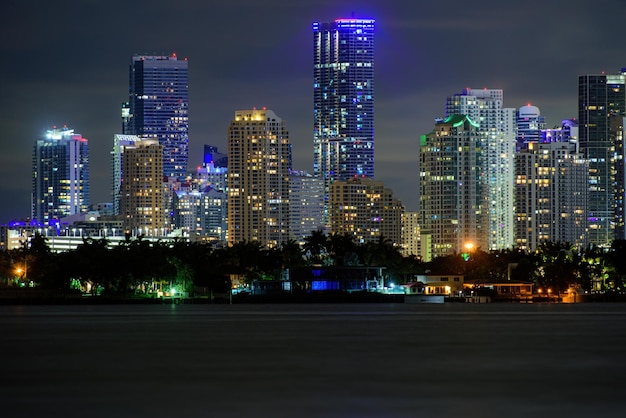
(313, 360)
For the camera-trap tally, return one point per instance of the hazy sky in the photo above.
(66, 63)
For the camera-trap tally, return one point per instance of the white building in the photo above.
(306, 204)
(497, 133)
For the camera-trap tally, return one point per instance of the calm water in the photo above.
(314, 360)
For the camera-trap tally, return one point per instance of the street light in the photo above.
(22, 273)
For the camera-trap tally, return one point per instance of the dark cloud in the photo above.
(66, 62)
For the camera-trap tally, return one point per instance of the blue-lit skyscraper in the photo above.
(343, 99)
(157, 108)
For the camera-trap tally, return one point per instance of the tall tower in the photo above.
(497, 141)
(60, 175)
(157, 107)
(343, 99)
(258, 178)
(142, 192)
(601, 108)
(451, 186)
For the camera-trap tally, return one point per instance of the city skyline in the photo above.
(75, 73)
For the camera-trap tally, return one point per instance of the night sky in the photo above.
(66, 63)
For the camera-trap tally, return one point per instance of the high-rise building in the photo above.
(497, 142)
(60, 175)
(202, 214)
(530, 123)
(451, 183)
(258, 178)
(617, 123)
(120, 143)
(343, 99)
(157, 107)
(142, 200)
(306, 204)
(551, 180)
(601, 107)
(410, 234)
(365, 209)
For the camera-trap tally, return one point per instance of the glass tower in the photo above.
(60, 175)
(158, 108)
(343, 99)
(601, 108)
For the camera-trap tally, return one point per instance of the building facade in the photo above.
(601, 98)
(497, 141)
(343, 99)
(306, 209)
(202, 214)
(60, 183)
(142, 203)
(550, 195)
(450, 184)
(530, 124)
(120, 143)
(410, 234)
(365, 209)
(157, 107)
(259, 155)
(567, 132)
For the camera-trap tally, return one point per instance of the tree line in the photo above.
(134, 266)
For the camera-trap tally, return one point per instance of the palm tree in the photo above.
(342, 248)
(316, 246)
(291, 254)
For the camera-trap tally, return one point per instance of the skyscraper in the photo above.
(120, 143)
(551, 180)
(343, 99)
(60, 175)
(451, 184)
(601, 109)
(258, 178)
(497, 142)
(157, 107)
(142, 192)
